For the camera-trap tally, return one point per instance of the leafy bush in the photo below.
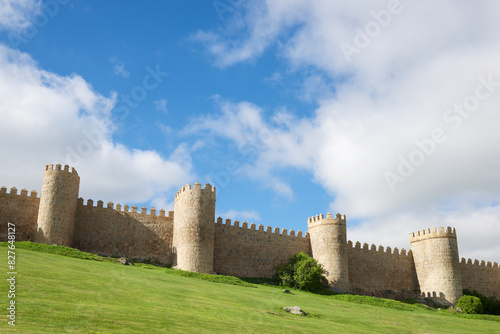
(470, 304)
(491, 305)
(301, 272)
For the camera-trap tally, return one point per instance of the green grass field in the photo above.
(63, 294)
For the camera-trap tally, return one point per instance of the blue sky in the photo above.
(386, 112)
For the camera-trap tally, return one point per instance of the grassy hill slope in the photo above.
(60, 294)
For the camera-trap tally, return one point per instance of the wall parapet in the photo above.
(207, 190)
(320, 217)
(13, 192)
(379, 250)
(268, 230)
(126, 207)
(58, 167)
(431, 233)
(477, 263)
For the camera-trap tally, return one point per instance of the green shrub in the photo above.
(301, 272)
(491, 305)
(470, 304)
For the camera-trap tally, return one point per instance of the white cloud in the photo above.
(230, 48)
(249, 216)
(274, 79)
(392, 94)
(161, 105)
(477, 229)
(119, 67)
(16, 15)
(162, 202)
(263, 145)
(48, 118)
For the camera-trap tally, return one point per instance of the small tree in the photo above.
(301, 272)
(470, 304)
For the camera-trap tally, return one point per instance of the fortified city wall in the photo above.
(120, 232)
(189, 238)
(254, 252)
(480, 276)
(329, 247)
(381, 271)
(21, 210)
(57, 210)
(435, 254)
(193, 239)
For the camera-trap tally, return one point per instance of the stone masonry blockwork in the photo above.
(435, 254)
(329, 247)
(381, 271)
(58, 201)
(189, 238)
(251, 251)
(121, 232)
(193, 239)
(20, 210)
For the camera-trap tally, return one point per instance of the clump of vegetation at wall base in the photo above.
(301, 272)
(491, 305)
(470, 305)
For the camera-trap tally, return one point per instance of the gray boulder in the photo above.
(295, 310)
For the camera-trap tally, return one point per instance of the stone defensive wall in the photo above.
(193, 236)
(480, 276)
(58, 201)
(195, 242)
(119, 232)
(21, 210)
(328, 237)
(252, 251)
(435, 254)
(380, 271)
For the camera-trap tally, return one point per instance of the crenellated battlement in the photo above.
(208, 190)
(268, 230)
(380, 249)
(13, 192)
(322, 220)
(477, 263)
(58, 168)
(125, 208)
(431, 233)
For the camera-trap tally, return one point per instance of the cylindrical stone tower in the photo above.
(435, 253)
(58, 202)
(329, 246)
(194, 228)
